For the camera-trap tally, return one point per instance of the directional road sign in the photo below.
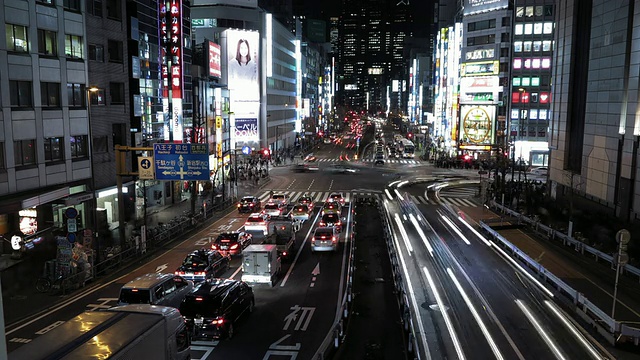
(176, 162)
(145, 168)
(246, 150)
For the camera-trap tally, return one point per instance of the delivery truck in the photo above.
(123, 332)
(260, 264)
(283, 236)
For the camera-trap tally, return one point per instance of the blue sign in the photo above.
(175, 162)
(71, 212)
(246, 150)
(145, 163)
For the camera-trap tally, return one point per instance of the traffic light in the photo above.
(266, 152)
(320, 133)
(409, 135)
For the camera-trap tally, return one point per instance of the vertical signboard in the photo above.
(175, 44)
(214, 59)
(477, 124)
(164, 68)
(241, 57)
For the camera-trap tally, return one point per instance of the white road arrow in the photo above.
(316, 270)
(161, 268)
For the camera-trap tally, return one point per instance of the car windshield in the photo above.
(278, 197)
(255, 219)
(227, 237)
(330, 218)
(200, 306)
(194, 260)
(305, 199)
(336, 196)
(134, 296)
(271, 206)
(329, 206)
(325, 233)
(246, 200)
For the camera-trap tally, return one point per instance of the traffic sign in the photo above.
(71, 212)
(621, 259)
(145, 168)
(72, 225)
(246, 150)
(623, 236)
(71, 237)
(176, 162)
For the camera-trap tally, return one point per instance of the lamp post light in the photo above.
(92, 182)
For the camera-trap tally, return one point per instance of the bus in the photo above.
(406, 148)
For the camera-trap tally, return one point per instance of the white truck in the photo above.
(260, 264)
(123, 332)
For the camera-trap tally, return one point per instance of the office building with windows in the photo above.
(45, 157)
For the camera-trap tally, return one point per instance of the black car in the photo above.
(232, 243)
(214, 306)
(249, 204)
(203, 264)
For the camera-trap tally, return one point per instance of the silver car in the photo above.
(341, 169)
(274, 209)
(301, 212)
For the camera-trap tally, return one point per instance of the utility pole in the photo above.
(622, 258)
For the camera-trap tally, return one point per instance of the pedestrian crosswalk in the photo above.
(321, 196)
(459, 192)
(387, 161)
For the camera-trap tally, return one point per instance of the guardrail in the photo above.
(610, 329)
(553, 234)
(336, 334)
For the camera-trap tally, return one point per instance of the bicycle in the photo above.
(46, 284)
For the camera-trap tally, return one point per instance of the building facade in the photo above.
(45, 143)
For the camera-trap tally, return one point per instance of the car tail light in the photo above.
(322, 224)
(333, 239)
(199, 298)
(250, 205)
(225, 240)
(200, 273)
(214, 247)
(284, 253)
(178, 273)
(234, 246)
(239, 205)
(323, 237)
(217, 321)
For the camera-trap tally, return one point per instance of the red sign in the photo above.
(214, 60)
(545, 97)
(163, 52)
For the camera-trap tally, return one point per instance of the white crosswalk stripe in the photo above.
(459, 192)
(321, 197)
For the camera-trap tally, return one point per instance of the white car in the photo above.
(257, 222)
(336, 197)
(280, 198)
(540, 171)
(274, 208)
(301, 212)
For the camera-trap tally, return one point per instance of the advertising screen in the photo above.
(246, 130)
(477, 124)
(475, 6)
(242, 50)
(214, 60)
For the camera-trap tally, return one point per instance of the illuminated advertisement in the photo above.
(246, 130)
(480, 68)
(476, 124)
(242, 65)
(171, 52)
(476, 6)
(479, 90)
(480, 54)
(214, 60)
(28, 221)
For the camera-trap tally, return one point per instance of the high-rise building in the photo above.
(45, 136)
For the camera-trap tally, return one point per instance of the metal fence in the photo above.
(611, 329)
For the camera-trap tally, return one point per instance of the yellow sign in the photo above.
(218, 123)
(219, 150)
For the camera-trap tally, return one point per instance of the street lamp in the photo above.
(92, 182)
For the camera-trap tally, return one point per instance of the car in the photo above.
(280, 198)
(301, 212)
(539, 171)
(306, 200)
(331, 208)
(203, 264)
(257, 222)
(155, 289)
(213, 307)
(379, 160)
(341, 169)
(331, 220)
(273, 208)
(305, 167)
(324, 239)
(232, 243)
(336, 197)
(310, 158)
(249, 204)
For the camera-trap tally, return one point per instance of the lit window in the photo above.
(47, 44)
(17, 38)
(535, 63)
(545, 97)
(529, 11)
(528, 29)
(516, 81)
(537, 46)
(519, 28)
(546, 45)
(526, 81)
(73, 46)
(517, 63)
(24, 152)
(527, 63)
(79, 146)
(533, 114)
(520, 11)
(97, 97)
(524, 98)
(517, 46)
(548, 28)
(515, 113)
(527, 46)
(542, 114)
(535, 81)
(546, 63)
(515, 97)
(537, 28)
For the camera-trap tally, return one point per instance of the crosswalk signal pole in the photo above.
(622, 238)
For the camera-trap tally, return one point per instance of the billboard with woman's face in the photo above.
(243, 49)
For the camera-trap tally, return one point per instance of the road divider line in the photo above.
(295, 260)
(545, 336)
(445, 315)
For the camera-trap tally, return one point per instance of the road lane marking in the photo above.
(295, 260)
